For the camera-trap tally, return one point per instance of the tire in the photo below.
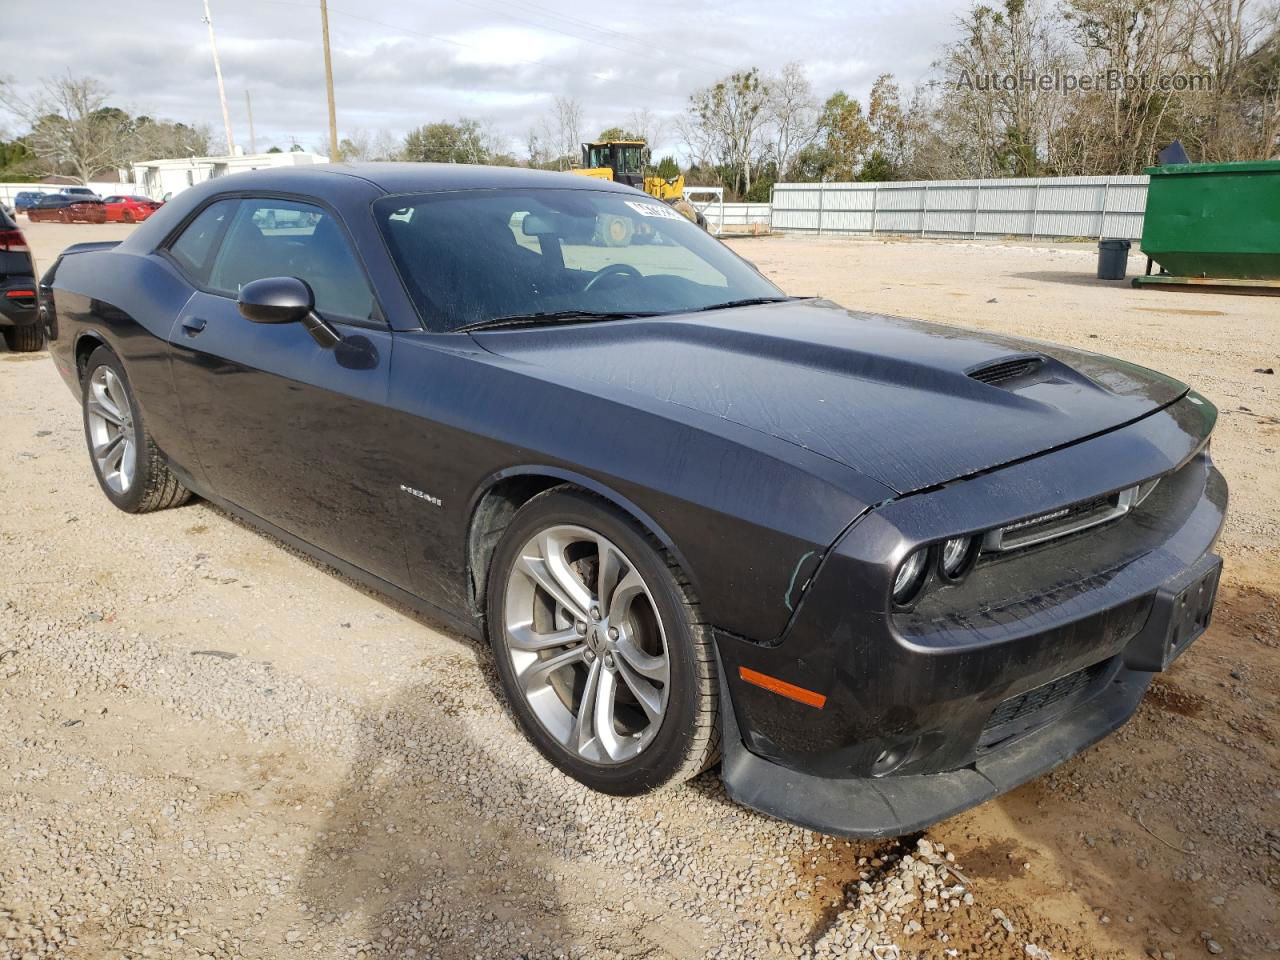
(659, 632)
(64, 216)
(26, 339)
(150, 485)
(127, 217)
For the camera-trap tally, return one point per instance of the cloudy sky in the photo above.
(400, 63)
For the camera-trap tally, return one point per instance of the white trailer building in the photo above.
(161, 179)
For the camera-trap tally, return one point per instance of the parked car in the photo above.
(23, 199)
(67, 209)
(883, 569)
(129, 209)
(18, 316)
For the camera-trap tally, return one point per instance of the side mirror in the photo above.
(276, 300)
(286, 300)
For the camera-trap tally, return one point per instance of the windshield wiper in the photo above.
(749, 302)
(549, 317)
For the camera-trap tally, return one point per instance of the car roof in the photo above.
(324, 178)
(338, 182)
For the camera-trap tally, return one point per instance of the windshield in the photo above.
(630, 159)
(478, 255)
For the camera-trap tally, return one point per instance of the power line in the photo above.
(640, 48)
(640, 45)
(391, 27)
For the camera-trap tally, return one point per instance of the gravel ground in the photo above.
(211, 746)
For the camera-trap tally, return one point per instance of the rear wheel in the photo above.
(600, 647)
(24, 339)
(126, 461)
(127, 216)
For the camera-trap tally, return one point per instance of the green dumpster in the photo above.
(1214, 224)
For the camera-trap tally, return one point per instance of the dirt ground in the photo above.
(213, 747)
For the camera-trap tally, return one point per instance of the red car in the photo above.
(67, 208)
(127, 209)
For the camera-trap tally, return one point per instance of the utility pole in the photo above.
(253, 141)
(222, 90)
(328, 83)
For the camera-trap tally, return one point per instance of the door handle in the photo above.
(192, 326)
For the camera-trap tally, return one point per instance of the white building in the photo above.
(161, 179)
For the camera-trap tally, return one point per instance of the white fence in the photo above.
(1032, 207)
(8, 190)
(738, 216)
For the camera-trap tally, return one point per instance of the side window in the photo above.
(284, 238)
(194, 247)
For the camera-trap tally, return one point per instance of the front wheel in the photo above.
(600, 647)
(126, 461)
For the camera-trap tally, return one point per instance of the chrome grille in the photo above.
(1067, 520)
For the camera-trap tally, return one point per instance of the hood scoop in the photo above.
(1003, 372)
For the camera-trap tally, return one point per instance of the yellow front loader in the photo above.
(623, 161)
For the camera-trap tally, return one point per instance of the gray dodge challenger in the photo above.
(879, 569)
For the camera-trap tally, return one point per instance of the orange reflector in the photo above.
(782, 688)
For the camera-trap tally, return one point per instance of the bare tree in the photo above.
(535, 144)
(730, 117)
(793, 115)
(73, 131)
(1005, 118)
(1120, 130)
(361, 146)
(646, 125)
(1230, 40)
(564, 130)
(1260, 90)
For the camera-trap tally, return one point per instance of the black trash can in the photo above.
(1113, 259)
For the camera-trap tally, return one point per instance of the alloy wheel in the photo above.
(112, 431)
(586, 644)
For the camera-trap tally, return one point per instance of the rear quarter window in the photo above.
(194, 248)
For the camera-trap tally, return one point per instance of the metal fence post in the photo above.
(875, 206)
(822, 194)
(1035, 213)
(773, 192)
(977, 206)
(924, 212)
(1102, 217)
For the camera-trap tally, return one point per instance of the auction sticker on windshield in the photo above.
(655, 210)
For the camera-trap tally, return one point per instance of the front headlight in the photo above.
(957, 557)
(911, 576)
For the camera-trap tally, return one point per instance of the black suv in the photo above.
(18, 315)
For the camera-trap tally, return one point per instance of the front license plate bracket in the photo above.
(1180, 613)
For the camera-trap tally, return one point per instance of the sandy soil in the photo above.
(210, 746)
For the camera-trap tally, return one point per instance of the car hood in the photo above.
(909, 403)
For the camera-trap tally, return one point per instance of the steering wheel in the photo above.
(612, 270)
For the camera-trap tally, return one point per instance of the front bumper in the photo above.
(895, 805)
(918, 714)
